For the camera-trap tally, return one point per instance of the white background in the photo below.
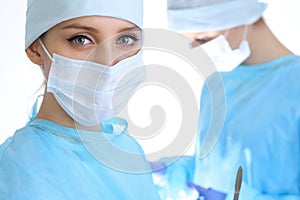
(20, 79)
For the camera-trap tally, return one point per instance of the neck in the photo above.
(264, 45)
(52, 111)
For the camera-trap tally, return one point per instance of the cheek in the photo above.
(234, 42)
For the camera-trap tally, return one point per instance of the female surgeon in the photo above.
(261, 128)
(89, 52)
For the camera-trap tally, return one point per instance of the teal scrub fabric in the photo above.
(44, 160)
(261, 132)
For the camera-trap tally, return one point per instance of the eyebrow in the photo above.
(79, 26)
(129, 29)
(91, 29)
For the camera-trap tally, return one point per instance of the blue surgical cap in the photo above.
(212, 15)
(42, 15)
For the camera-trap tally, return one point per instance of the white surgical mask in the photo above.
(90, 92)
(223, 56)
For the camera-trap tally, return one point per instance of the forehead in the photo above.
(196, 34)
(184, 4)
(100, 23)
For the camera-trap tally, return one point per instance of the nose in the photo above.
(107, 53)
(104, 54)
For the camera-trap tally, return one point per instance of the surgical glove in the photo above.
(207, 194)
(171, 181)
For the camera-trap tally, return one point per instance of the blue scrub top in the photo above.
(261, 131)
(44, 160)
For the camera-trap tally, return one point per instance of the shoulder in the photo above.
(17, 141)
(26, 146)
(289, 72)
(291, 62)
(21, 163)
(21, 140)
(286, 64)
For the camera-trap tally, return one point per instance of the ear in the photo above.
(34, 53)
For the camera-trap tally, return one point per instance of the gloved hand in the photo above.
(207, 194)
(171, 181)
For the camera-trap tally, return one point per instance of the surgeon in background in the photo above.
(261, 129)
(74, 147)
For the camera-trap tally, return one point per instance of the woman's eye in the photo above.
(80, 40)
(201, 40)
(127, 40)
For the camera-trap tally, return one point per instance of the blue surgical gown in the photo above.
(260, 131)
(44, 160)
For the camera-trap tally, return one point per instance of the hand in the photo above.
(171, 182)
(207, 194)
